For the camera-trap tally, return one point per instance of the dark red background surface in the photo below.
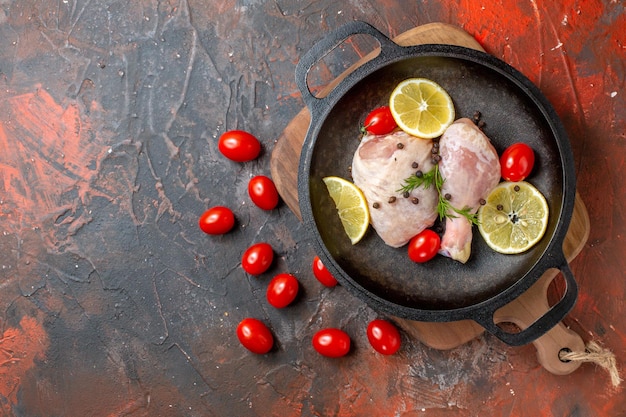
(113, 303)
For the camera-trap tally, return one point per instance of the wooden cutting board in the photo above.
(525, 309)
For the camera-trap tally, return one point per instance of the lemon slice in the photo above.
(351, 207)
(514, 218)
(421, 108)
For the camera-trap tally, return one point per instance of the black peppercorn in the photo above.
(448, 196)
(414, 165)
(516, 188)
(419, 174)
(500, 207)
(406, 194)
(376, 205)
(391, 200)
(482, 201)
(415, 200)
(400, 145)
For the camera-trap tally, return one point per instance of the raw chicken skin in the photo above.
(379, 168)
(471, 169)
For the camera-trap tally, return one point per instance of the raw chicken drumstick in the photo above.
(471, 169)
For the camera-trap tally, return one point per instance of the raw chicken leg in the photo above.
(471, 169)
(379, 168)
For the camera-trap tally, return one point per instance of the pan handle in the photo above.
(544, 323)
(326, 45)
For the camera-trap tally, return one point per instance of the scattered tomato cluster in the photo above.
(239, 146)
(282, 290)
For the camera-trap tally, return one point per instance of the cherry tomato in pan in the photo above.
(322, 274)
(239, 146)
(257, 258)
(380, 121)
(263, 192)
(424, 246)
(331, 342)
(516, 162)
(217, 220)
(255, 336)
(282, 290)
(383, 336)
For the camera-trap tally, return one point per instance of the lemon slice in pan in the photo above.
(421, 108)
(514, 218)
(351, 206)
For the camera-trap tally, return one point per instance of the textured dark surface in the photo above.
(114, 303)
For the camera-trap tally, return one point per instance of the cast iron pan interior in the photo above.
(441, 289)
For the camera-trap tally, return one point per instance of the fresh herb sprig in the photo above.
(444, 207)
(419, 179)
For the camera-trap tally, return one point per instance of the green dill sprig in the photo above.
(423, 179)
(444, 207)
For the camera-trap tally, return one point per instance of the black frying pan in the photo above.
(442, 289)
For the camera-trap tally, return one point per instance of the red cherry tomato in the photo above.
(331, 342)
(257, 258)
(282, 290)
(424, 246)
(380, 121)
(263, 192)
(383, 336)
(322, 274)
(255, 336)
(239, 146)
(517, 162)
(217, 220)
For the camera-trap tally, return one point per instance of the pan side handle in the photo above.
(542, 324)
(324, 46)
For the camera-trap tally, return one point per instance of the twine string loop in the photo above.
(594, 353)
